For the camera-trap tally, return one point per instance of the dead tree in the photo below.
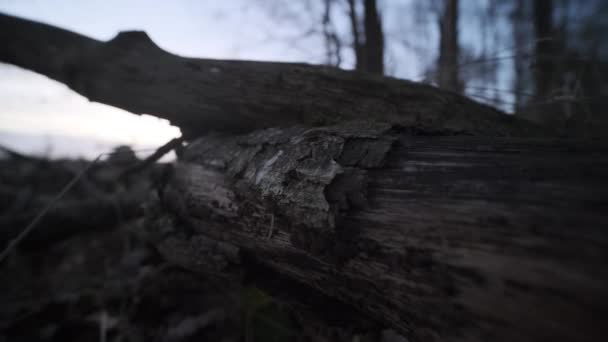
(369, 190)
(444, 238)
(203, 95)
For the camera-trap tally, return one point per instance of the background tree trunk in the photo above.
(443, 238)
(448, 68)
(374, 39)
(544, 42)
(357, 35)
(333, 44)
(368, 39)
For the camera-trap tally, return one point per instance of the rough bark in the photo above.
(202, 95)
(443, 238)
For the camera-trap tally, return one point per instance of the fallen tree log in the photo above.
(443, 238)
(202, 95)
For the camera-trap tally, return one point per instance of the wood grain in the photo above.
(442, 237)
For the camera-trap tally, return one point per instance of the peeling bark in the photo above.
(442, 238)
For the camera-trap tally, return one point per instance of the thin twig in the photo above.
(270, 231)
(51, 204)
(46, 209)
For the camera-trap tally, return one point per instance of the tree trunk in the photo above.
(374, 39)
(333, 44)
(443, 238)
(357, 36)
(203, 95)
(448, 70)
(368, 41)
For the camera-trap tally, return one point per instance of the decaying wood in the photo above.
(443, 238)
(202, 95)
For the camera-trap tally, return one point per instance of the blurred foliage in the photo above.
(264, 319)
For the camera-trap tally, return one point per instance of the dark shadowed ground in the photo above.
(86, 272)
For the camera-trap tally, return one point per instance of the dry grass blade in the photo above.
(24, 233)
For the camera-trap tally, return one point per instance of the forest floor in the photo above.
(85, 272)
